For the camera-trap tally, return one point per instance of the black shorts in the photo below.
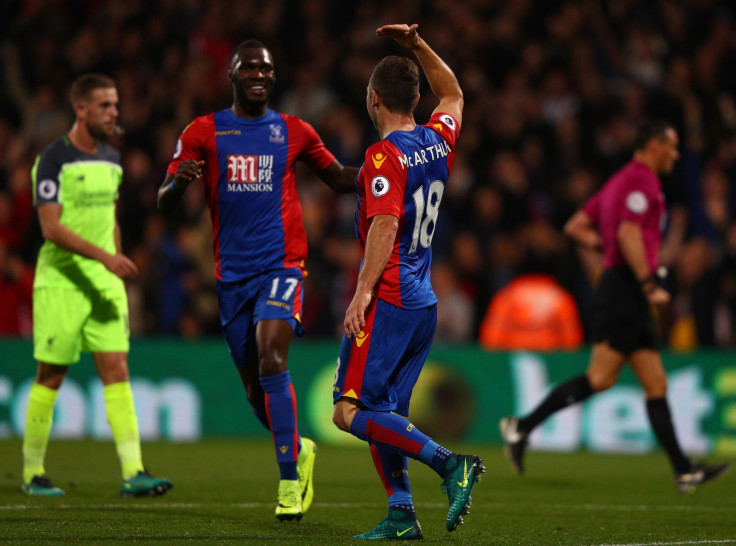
(622, 315)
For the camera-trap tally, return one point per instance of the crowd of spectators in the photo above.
(553, 92)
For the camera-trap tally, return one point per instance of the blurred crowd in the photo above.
(553, 92)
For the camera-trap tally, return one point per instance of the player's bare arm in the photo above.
(378, 246)
(581, 230)
(441, 79)
(631, 243)
(174, 186)
(49, 215)
(339, 177)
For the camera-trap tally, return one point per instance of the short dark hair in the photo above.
(649, 129)
(396, 80)
(86, 83)
(247, 44)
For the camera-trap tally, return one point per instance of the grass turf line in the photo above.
(225, 492)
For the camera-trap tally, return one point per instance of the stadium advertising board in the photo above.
(187, 390)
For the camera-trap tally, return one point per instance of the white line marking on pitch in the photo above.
(727, 541)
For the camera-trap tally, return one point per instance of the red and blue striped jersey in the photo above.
(250, 187)
(404, 175)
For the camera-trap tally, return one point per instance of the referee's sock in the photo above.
(281, 411)
(571, 392)
(659, 416)
(398, 434)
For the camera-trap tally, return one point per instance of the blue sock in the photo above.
(393, 469)
(281, 411)
(399, 435)
(261, 415)
(435, 456)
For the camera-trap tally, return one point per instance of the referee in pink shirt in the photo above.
(623, 220)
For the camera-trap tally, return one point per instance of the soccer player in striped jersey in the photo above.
(391, 320)
(245, 157)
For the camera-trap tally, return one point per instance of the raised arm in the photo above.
(441, 79)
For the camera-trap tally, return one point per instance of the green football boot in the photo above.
(41, 486)
(305, 471)
(290, 505)
(460, 479)
(398, 525)
(143, 485)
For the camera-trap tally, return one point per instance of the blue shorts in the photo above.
(380, 367)
(271, 295)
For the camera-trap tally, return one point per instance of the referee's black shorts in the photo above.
(622, 315)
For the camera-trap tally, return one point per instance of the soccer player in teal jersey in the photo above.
(79, 299)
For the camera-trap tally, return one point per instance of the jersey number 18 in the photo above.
(426, 220)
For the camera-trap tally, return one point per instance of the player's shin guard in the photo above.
(281, 411)
(39, 418)
(124, 425)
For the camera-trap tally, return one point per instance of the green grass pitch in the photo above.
(225, 491)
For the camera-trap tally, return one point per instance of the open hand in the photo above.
(355, 314)
(404, 35)
(121, 265)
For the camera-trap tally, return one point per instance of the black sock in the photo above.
(567, 394)
(661, 420)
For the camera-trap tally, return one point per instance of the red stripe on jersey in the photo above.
(389, 287)
(297, 300)
(198, 142)
(211, 190)
(359, 355)
(448, 128)
(295, 238)
(382, 163)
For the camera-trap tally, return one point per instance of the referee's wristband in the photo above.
(173, 187)
(648, 283)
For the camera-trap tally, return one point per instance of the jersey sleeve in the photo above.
(189, 145)
(45, 177)
(446, 126)
(313, 153)
(638, 199)
(384, 179)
